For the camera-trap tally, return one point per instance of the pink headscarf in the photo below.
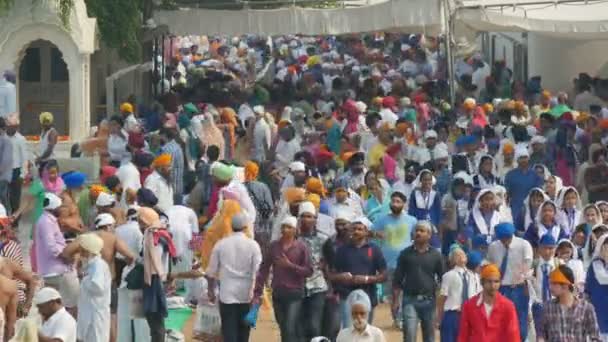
(390, 165)
(479, 117)
(107, 172)
(352, 117)
(55, 187)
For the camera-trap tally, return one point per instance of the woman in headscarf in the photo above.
(50, 178)
(219, 228)
(502, 204)
(263, 203)
(485, 177)
(210, 134)
(360, 307)
(596, 286)
(569, 206)
(553, 185)
(484, 216)
(425, 203)
(545, 223)
(228, 124)
(603, 207)
(378, 202)
(532, 203)
(567, 254)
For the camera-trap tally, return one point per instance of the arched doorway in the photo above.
(43, 86)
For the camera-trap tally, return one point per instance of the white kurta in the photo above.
(94, 302)
(163, 191)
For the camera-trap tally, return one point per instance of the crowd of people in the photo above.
(346, 181)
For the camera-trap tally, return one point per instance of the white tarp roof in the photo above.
(411, 16)
(566, 20)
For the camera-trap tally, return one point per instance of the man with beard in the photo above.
(358, 265)
(159, 182)
(355, 175)
(395, 230)
(331, 315)
(297, 176)
(418, 268)
(406, 186)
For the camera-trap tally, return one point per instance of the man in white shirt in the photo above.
(547, 262)
(361, 330)
(261, 135)
(159, 182)
(514, 256)
(457, 286)
(235, 261)
(431, 149)
(183, 223)
(130, 124)
(57, 324)
(20, 159)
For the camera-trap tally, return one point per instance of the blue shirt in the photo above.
(518, 184)
(397, 235)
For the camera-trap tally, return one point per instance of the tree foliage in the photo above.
(119, 22)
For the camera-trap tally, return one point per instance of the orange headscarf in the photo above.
(219, 228)
(489, 271)
(96, 189)
(251, 171)
(558, 277)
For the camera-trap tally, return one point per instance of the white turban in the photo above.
(91, 243)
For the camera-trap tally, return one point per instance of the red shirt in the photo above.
(476, 326)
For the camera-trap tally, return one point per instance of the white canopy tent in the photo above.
(411, 16)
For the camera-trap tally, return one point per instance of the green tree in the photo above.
(119, 21)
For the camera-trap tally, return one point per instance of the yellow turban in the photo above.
(91, 243)
(294, 195)
(96, 189)
(490, 271)
(46, 118)
(557, 277)
(126, 107)
(315, 200)
(488, 108)
(315, 186)
(546, 94)
(162, 160)
(149, 217)
(251, 171)
(582, 117)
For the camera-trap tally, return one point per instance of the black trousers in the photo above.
(156, 321)
(234, 328)
(14, 189)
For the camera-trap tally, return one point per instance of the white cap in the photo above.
(51, 201)
(363, 220)
(441, 153)
(538, 139)
(430, 134)
(307, 208)
(104, 199)
(297, 166)
(290, 221)
(45, 295)
(259, 110)
(343, 214)
(104, 219)
(521, 152)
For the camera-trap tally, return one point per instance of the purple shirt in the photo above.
(292, 278)
(49, 244)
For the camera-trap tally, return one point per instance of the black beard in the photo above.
(396, 211)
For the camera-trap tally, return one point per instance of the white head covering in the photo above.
(51, 201)
(290, 221)
(104, 219)
(307, 208)
(441, 153)
(297, 166)
(363, 220)
(45, 295)
(430, 134)
(104, 199)
(520, 152)
(359, 297)
(91, 243)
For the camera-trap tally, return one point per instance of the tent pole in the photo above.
(447, 17)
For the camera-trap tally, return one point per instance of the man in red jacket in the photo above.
(489, 316)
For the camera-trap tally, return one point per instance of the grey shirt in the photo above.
(6, 158)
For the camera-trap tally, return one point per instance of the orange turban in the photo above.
(557, 277)
(546, 95)
(488, 108)
(519, 106)
(603, 123)
(294, 195)
(490, 271)
(508, 149)
(401, 128)
(251, 171)
(96, 189)
(283, 123)
(469, 104)
(315, 186)
(162, 160)
(126, 107)
(315, 200)
(510, 105)
(346, 156)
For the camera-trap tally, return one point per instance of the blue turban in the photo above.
(479, 241)
(504, 230)
(493, 143)
(74, 179)
(547, 240)
(324, 208)
(146, 198)
(474, 259)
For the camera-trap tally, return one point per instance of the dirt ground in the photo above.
(267, 330)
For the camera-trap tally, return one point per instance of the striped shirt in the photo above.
(177, 165)
(11, 250)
